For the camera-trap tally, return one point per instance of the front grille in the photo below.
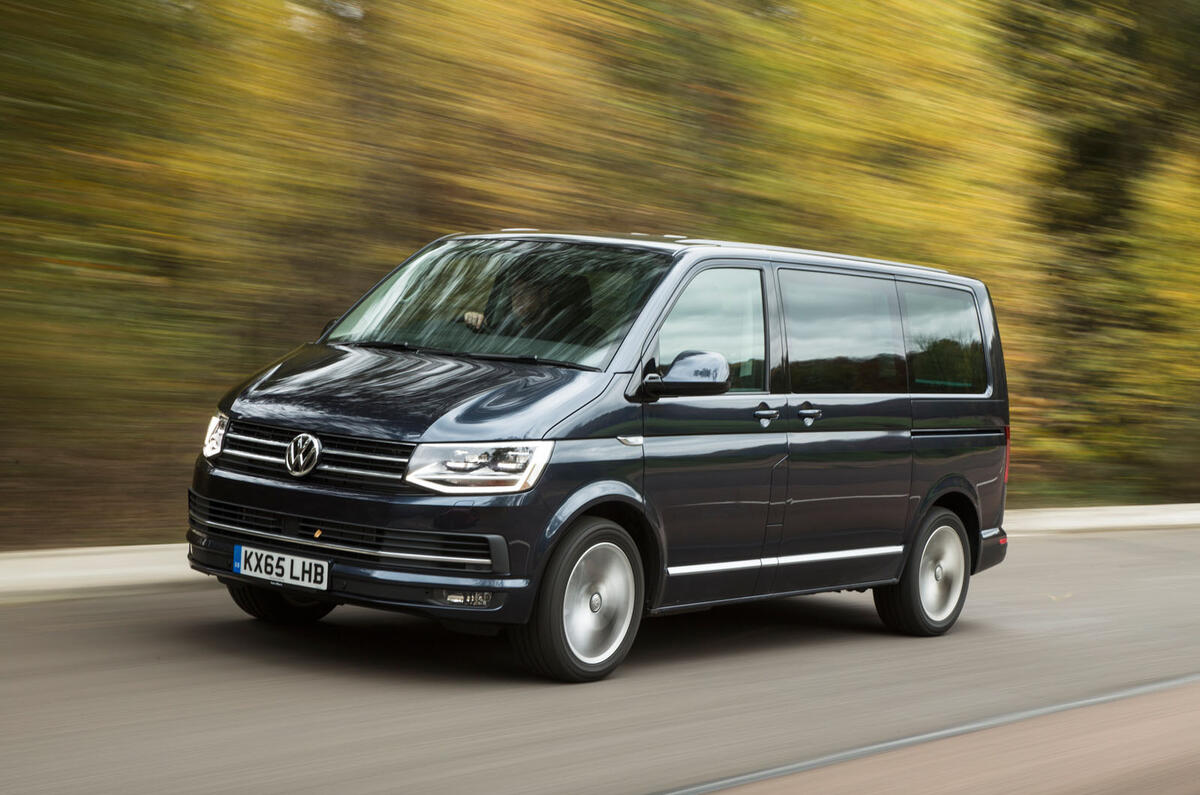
(409, 548)
(346, 461)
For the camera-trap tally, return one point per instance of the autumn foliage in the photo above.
(188, 188)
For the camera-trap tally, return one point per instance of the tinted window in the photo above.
(721, 310)
(945, 346)
(843, 333)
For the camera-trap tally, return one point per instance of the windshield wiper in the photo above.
(526, 358)
(396, 346)
(506, 357)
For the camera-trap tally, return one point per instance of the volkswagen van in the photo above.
(560, 435)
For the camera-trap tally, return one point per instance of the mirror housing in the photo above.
(692, 374)
(328, 325)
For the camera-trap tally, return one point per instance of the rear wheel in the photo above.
(276, 606)
(933, 587)
(589, 607)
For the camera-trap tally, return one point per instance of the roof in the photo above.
(678, 243)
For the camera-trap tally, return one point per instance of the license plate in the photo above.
(279, 567)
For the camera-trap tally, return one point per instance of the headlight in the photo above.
(487, 468)
(214, 438)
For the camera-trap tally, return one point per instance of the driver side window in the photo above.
(721, 311)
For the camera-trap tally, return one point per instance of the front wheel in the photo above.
(933, 587)
(277, 607)
(589, 606)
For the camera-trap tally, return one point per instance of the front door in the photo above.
(715, 466)
(849, 422)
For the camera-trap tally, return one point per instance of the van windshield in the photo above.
(562, 302)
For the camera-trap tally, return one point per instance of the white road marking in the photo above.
(917, 739)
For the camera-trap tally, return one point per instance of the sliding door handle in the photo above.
(809, 413)
(767, 414)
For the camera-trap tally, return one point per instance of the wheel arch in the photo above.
(620, 503)
(957, 495)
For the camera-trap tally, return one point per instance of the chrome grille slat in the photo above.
(255, 456)
(387, 458)
(255, 440)
(225, 521)
(363, 472)
(389, 540)
(353, 463)
(341, 548)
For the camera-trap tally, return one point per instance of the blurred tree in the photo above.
(1114, 86)
(189, 188)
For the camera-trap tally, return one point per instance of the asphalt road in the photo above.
(176, 691)
(1140, 744)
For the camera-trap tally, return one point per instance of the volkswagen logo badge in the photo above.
(302, 455)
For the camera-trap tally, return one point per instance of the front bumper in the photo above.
(506, 526)
(370, 585)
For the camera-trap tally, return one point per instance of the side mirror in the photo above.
(328, 325)
(692, 374)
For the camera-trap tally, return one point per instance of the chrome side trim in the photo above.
(340, 547)
(841, 554)
(787, 560)
(630, 441)
(707, 568)
(991, 531)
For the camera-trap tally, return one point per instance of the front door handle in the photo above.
(767, 414)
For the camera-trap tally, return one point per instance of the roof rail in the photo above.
(811, 252)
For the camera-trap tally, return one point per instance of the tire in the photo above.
(595, 578)
(277, 607)
(933, 587)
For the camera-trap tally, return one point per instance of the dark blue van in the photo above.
(561, 434)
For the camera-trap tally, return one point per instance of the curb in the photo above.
(41, 573)
(54, 573)
(1106, 518)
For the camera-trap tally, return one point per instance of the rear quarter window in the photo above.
(943, 340)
